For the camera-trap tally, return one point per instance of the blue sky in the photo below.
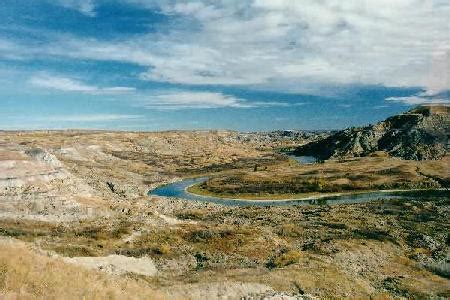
(243, 65)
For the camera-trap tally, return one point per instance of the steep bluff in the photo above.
(419, 134)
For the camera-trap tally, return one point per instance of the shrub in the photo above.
(193, 214)
(163, 249)
(201, 259)
(286, 258)
(373, 234)
(290, 230)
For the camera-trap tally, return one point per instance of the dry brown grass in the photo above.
(25, 274)
(72, 239)
(287, 258)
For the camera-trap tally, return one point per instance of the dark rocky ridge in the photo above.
(419, 134)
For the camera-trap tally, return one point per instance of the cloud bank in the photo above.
(281, 45)
(288, 43)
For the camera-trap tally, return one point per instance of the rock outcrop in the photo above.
(419, 134)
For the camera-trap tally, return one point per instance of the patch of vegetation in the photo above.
(290, 230)
(201, 259)
(193, 214)
(235, 185)
(25, 229)
(373, 234)
(333, 225)
(12, 232)
(73, 250)
(394, 286)
(156, 250)
(238, 164)
(164, 242)
(223, 239)
(285, 258)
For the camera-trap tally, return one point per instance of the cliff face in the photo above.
(419, 134)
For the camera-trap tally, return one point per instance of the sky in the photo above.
(252, 65)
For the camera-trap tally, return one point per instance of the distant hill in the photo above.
(419, 134)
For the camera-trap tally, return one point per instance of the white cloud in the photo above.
(185, 99)
(173, 100)
(86, 7)
(438, 77)
(419, 99)
(90, 118)
(428, 96)
(6, 45)
(436, 82)
(70, 85)
(10, 50)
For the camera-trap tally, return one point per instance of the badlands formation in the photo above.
(76, 221)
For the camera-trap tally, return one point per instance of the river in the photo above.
(179, 190)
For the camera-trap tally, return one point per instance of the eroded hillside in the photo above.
(420, 134)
